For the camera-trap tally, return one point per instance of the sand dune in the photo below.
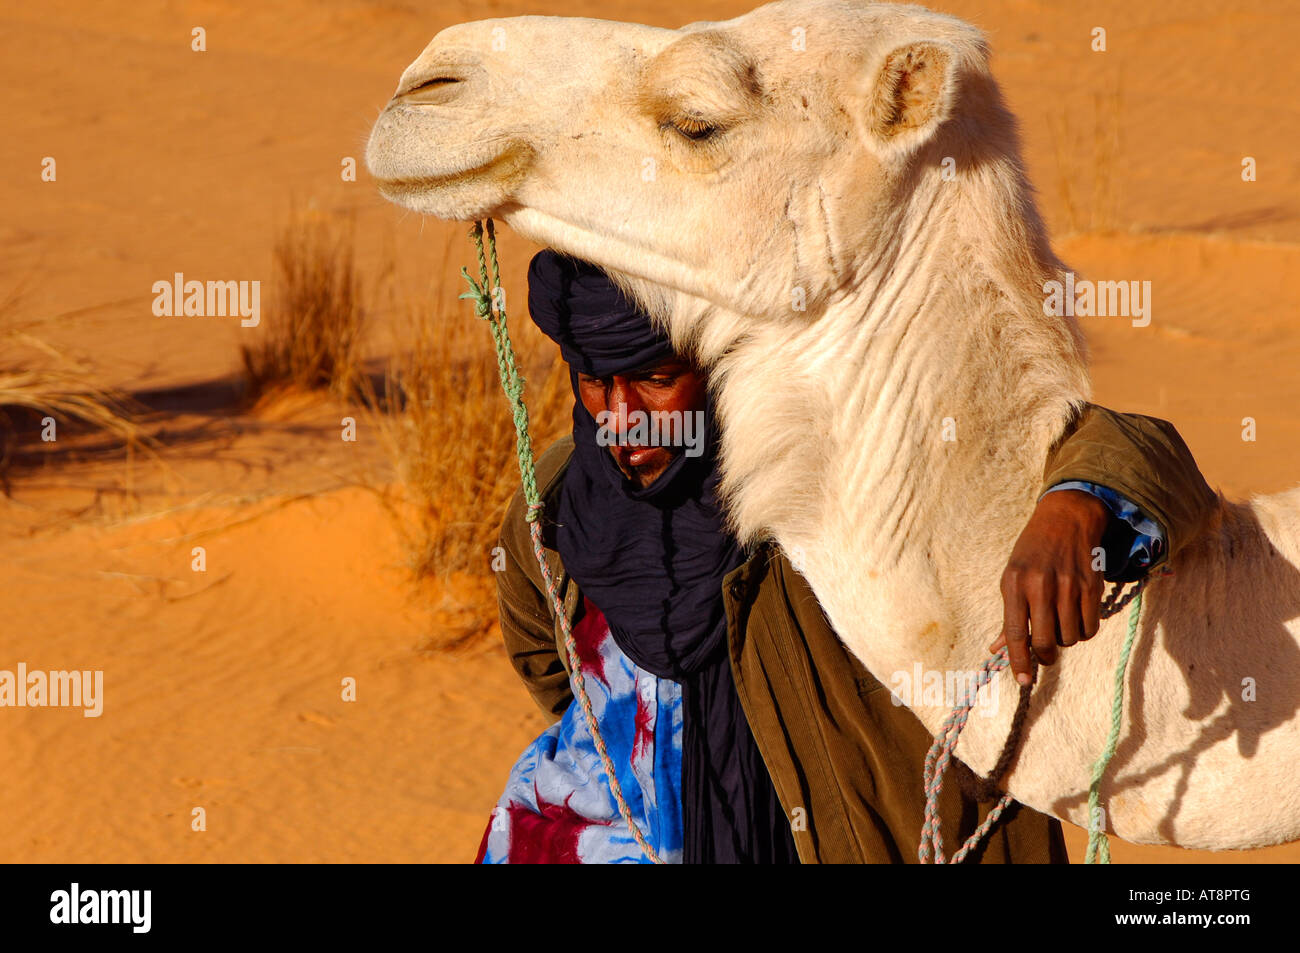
(223, 687)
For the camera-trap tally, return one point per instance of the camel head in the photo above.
(754, 165)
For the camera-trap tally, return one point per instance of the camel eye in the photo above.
(697, 130)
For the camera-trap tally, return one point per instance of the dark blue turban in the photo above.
(652, 559)
(599, 331)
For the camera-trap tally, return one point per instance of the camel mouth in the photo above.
(506, 165)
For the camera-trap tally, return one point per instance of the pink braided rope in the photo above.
(579, 682)
(936, 766)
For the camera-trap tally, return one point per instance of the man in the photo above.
(739, 727)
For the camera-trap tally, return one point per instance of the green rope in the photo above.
(512, 382)
(945, 743)
(1098, 845)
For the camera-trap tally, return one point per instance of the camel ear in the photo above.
(910, 95)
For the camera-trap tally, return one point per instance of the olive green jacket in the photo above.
(845, 760)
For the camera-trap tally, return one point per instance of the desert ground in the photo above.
(223, 687)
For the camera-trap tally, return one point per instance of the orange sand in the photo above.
(223, 688)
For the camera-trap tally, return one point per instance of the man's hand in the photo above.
(1049, 587)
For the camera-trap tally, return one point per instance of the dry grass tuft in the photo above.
(442, 417)
(54, 384)
(312, 336)
(449, 433)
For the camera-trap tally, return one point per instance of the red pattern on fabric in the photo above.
(588, 635)
(550, 837)
(643, 740)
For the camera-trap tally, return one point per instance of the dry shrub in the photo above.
(54, 384)
(312, 336)
(451, 437)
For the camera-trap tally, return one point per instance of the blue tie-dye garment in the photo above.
(557, 806)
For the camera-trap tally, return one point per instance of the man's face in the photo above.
(669, 385)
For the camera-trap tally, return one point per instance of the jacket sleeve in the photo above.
(527, 626)
(1141, 458)
(527, 623)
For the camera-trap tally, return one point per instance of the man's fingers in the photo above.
(1069, 623)
(1042, 614)
(1090, 605)
(1015, 635)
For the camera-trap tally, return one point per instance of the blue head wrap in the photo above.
(653, 560)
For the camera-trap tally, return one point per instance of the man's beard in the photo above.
(645, 475)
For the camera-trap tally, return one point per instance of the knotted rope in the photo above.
(945, 742)
(491, 308)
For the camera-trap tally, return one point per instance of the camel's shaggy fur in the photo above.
(825, 201)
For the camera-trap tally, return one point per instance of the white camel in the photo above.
(825, 199)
